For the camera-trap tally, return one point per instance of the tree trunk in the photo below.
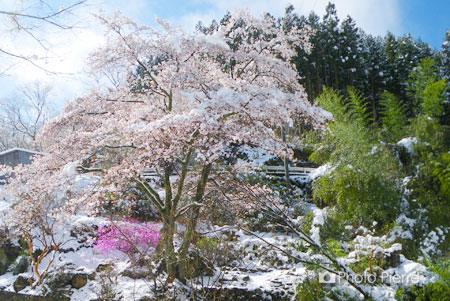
(286, 161)
(166, 242)
(190, 234)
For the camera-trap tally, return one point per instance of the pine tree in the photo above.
(445, 71)
(445, 52)
(331, 37)
(309, 64)
(350, 53)
(372, 80)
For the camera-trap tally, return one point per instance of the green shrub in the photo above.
(335, 248)
(362, 182)
(310, 289)
(334, 227)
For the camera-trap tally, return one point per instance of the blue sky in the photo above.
(425, 19)
(428, 20)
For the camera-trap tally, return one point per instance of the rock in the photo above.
(246, 278)
(59, 280)
(195, 266)
(92, 276)
(392, 260)
(79, 280)
(103, 267)
(58, 283)
(60, 295)
(234, 293)
(21, 266)
(8, 254)
(136, 274)
(9, 296)
(20, 283)
(392, 256)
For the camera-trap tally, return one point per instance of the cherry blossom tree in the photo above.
(177, 103)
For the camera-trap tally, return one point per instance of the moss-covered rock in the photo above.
(79, 280)
(8, 254)
(59, 285)
(20, 283)
(22, 297)
(92, 276)
(137, 273)
(103, 268)
(21, 265)
(392, 259)
(59, 280)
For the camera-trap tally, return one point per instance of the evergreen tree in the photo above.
(402, 55)
(350, 55)
(343, 55)
(445, 52)
(332, 51)
(373, 78)
(309, 64)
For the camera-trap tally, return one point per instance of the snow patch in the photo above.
(70, 169)
(321, 171)
(408, 143)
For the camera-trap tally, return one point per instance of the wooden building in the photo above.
(16, 156)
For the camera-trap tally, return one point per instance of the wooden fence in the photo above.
(299, 172)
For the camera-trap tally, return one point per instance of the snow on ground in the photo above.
(268, 269)
(255, 156)
(258, 266)
(77, 256)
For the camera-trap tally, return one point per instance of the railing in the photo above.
(294, 171)
(302, 172)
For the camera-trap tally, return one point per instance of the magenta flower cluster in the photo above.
(128, 236)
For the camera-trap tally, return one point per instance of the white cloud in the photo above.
(64, 55)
